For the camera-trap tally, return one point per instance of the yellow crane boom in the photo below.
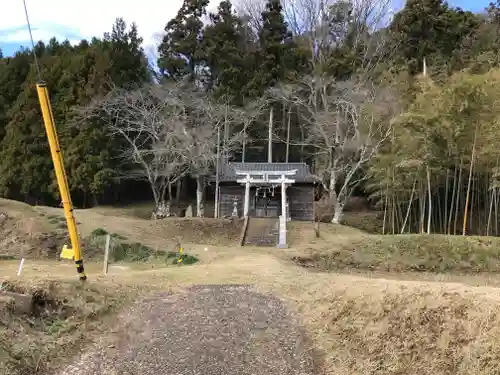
(48, 119)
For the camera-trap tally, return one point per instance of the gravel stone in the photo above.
(204, 330)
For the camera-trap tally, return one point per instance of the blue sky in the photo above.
(60, 19)
(74, 20)
(473, 5)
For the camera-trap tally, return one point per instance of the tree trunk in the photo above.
(385, 207)
(496, 212)
(199, 196)
(450, 214)
(422, 208)
(409, 206)
(393, 212)
(446, 188)
(156, 193)
(217, 174)
(288, 136)
(270, 138)
(459, 190)
(244, 147)
(429, 193)
(334, 198)
(464, 228)
(332, 193)
(178, 191)
(169, 192)
(489, 213)
(339, 211)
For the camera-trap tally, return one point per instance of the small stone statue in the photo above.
(235, 209)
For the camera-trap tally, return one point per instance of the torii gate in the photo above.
(284, 181)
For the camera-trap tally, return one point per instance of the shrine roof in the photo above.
(229, 170)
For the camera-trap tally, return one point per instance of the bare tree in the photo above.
(151, 121)
(327, 25)
(208, 118)
(346, 124)
(169, 132)
(347, 117)
(251, 12)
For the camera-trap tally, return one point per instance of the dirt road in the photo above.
(209, 330)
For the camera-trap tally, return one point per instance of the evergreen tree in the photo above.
(227, 56)
(432, 30)
(180, 51)
(276, 43)
(75, 76)
(124, 48)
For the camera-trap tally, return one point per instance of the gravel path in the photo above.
(206, 330)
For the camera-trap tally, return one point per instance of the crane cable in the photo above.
(37, 66)
(55, 151)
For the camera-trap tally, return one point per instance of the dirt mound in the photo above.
(65, 315)
(24, 237)
(224, 232)
(410, 328)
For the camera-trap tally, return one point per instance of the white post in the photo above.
(283, 196)
(106, 254)
(282, 223)
(20, 269)
(247, 196)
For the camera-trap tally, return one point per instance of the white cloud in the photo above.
(23, 36)
(87, 19)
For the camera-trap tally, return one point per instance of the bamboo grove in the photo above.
(440, 170)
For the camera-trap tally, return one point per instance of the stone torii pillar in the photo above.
(246, 202)
(283, 197)
(282, 243)
(247, 196)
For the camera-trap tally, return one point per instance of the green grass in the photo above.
(419, 253)
(121, 251)
(99, 232)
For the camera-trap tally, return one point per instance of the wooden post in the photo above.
(106, 254)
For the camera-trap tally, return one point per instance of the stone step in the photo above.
(262, 232)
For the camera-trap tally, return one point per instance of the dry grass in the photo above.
(362, 325)
(156, 233)
(66, 315)
(403, 253)
(370, 326)
(394, 327)
(375, 323)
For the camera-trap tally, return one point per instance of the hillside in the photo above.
(365, 308)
